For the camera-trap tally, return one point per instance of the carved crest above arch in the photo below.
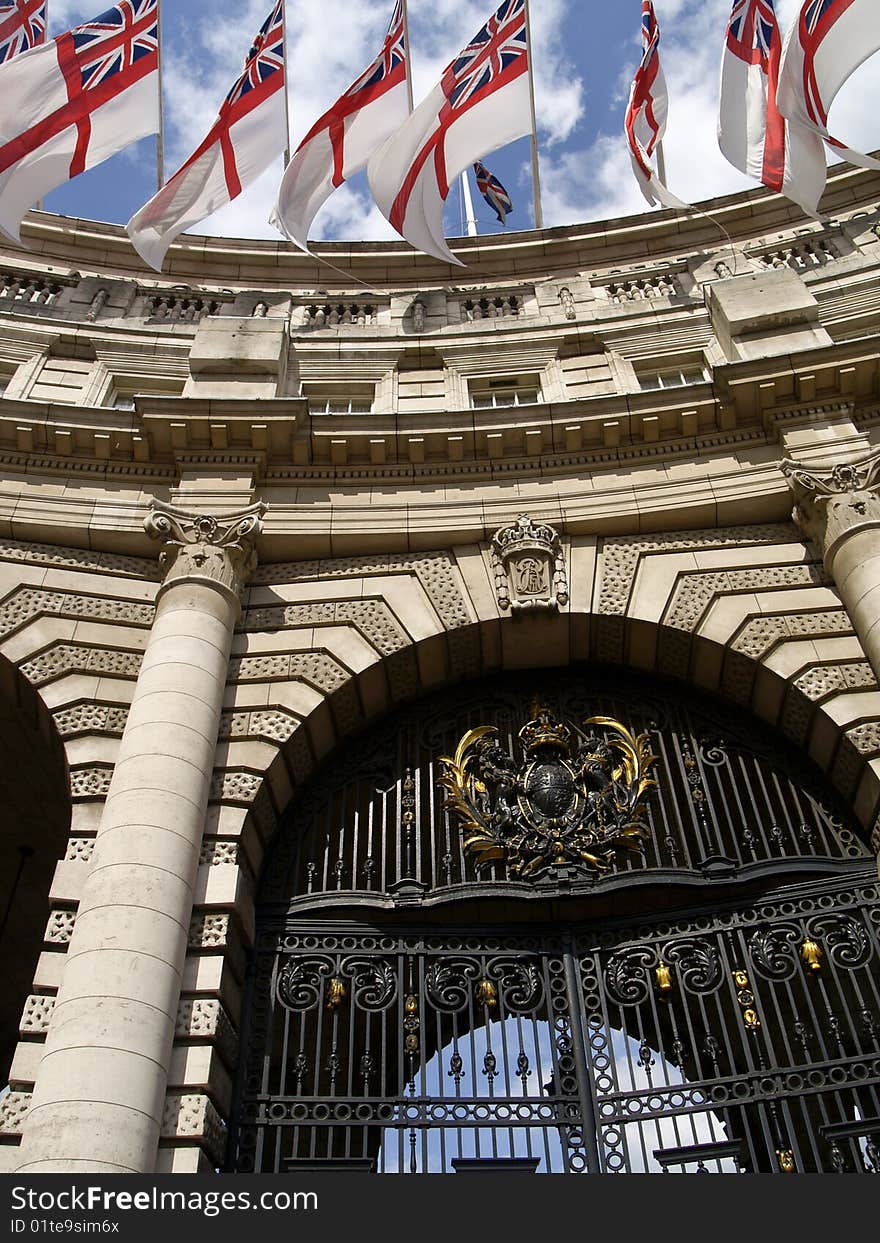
(528, 562)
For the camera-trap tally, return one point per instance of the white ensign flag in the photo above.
(752, 133)
(824, 47)
(481, 103)
(250, 131)
(68, 105)
(341, 142)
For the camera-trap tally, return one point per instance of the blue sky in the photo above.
(585, 55)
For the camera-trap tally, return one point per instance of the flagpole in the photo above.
(471, 222)
(536, 172)
(160, 137)
(286, 84)
(39, 202)
(409, 81)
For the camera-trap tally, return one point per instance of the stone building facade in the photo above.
(249, 508)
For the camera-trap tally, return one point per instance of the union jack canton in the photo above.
(22, 26)
(265, 59)
(116, 41)
(753, 32)
(483, 66)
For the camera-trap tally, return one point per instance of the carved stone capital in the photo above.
(220, 551)
(831, 503)
(528, 561)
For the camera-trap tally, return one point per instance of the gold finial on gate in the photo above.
(811, 953)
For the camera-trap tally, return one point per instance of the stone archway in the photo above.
(34, 796)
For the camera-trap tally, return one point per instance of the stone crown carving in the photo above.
(830, 501)
(219, 550)
(528, 561)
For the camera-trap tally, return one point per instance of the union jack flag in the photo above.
(493, 192)
(265, 58)
(391, 58)
(753, 32)
(482, 67)
(116, 41)
(22, 26)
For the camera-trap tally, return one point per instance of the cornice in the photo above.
(272, 265)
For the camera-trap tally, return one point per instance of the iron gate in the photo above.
(744, 1040)
(536, 954)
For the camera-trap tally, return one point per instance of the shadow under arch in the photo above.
(34, 825)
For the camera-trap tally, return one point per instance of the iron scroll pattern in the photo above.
(744, 1039)
(732, 1038)
(575, 797)
(731, 802)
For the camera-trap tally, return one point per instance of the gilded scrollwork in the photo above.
(575, 798)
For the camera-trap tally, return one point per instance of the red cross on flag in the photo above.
(343, 139)
(69, 104)
(250, 131)
(752, 133)
(481, 103)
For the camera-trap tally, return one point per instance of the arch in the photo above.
(34, 795)
(649, 1007)
(800, 700)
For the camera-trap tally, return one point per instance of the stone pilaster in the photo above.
(100, 1092)
(838, 508)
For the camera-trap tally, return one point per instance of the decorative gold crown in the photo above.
(544, 730)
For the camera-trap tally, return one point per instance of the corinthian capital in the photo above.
(831, 502)
(221, 551)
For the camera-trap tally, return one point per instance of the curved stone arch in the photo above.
(804, 705)
(34, 828)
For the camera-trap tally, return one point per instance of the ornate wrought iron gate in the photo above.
(737, 1033)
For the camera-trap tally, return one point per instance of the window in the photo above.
(674, 378)
(122, 401)
(497, 394)
(338, 405)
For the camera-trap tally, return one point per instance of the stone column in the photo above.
(838, 508)
(100, 1090)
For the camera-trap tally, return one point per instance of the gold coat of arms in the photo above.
(576, 797)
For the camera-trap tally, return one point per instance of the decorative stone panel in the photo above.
(316, 668)
(90, 783)
(13, 1110)
(37, 1015)
(59, 929)
(204, 1020)
(192, 1118)
(434, 571)
(67, 658)
(372, 618)
(79, 850)
(80, 559)
(91, 718)
(26, 603)
(270, 725)
(695, 592)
